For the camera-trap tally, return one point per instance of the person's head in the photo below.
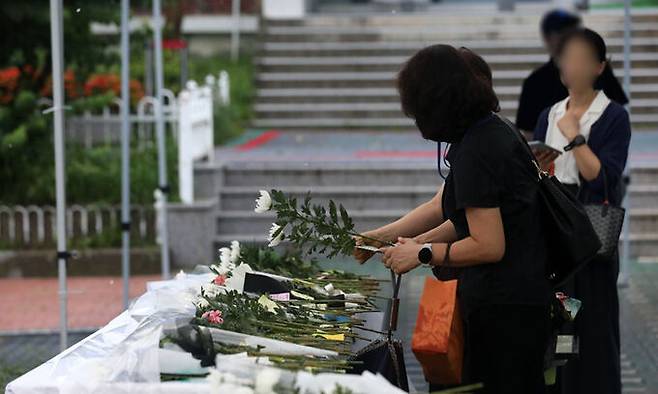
(442, 90)
(478, 65)
(555, 25)
(582, 60)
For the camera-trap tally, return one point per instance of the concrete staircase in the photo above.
(335, 72)
(374, 194)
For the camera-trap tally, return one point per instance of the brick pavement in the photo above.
(33, 303)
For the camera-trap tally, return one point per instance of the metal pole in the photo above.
(184, 60)
(235, 31)
(623, 274)
(125, 151)
(627, 47)
(57, 49)
(148, 69)
(160, 131)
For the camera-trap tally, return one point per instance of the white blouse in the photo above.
(566, 170)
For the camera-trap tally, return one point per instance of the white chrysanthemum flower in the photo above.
(264, 202)
(211, 290)
(223, 382)
(266, 380)
(225, 255)
(274, 241)
(202, 303)
(235, 252)
(226, 264)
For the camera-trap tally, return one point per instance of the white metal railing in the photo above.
(104, 128)
(32, 225)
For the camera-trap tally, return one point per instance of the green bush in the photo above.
(93, 175)
(232, 120)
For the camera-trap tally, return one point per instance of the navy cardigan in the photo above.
(609, 139)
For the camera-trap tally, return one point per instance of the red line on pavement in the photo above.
(258, 141)
(395, 153)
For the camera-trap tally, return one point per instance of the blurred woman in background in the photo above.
(593, 134)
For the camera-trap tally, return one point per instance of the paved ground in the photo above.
(32, 304)
(275, 146)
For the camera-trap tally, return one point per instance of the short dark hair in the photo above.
(479, 66)
(559, 21)
(444, 92)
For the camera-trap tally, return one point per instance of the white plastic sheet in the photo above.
(124, 356)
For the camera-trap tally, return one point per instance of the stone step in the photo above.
(390, 109)
(508, 95)
(352, 197)
(641, 198)
(393, 67)
(439, 32)
(362, 79)
(241, 198)
(642, 195)
(433, 37)
(642, 220)
(391, 94)
(457, 14)
(644, 178)
(406, 48)
(383, 63)
(640, 122)
(313, 175)
(250, 222)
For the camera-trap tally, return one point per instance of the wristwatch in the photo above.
(576, 141)
(425, 254)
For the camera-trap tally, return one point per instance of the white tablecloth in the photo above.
(124, 356)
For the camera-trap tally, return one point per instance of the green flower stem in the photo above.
(313, 221)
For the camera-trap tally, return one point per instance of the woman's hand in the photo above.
(545, 158)
(403, 257)
(361, 255)
(569, 125)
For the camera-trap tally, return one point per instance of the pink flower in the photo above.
(213, 316)
(220, 280)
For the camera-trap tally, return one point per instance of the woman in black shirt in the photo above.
(490, 226)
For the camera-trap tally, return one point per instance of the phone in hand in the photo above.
(540, 146)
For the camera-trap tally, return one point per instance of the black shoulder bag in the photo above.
(571, 239)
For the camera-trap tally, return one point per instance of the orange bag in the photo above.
(438, 340)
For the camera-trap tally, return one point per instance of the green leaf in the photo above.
(15, 139)
(347, 221)
(332, 211)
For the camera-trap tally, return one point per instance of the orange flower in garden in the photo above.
(136, 90)
(70, 86)
(8, 83)
(102, 83)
